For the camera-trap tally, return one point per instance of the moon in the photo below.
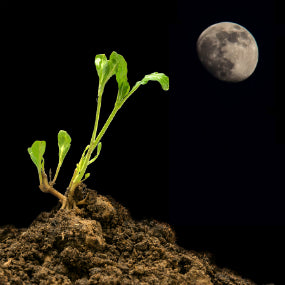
(228, 51)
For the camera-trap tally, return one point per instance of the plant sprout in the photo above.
(116, 65)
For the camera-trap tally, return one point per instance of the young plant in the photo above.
(116, 65)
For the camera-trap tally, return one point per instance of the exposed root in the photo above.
(68, 201)
(47, 188)
(63, 206)
(70, 204)
(83, 201)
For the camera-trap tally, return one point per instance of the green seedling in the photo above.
(116, 65)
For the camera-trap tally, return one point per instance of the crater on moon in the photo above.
(228, 51)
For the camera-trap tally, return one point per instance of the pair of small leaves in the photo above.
(37, 150)
(117, 65)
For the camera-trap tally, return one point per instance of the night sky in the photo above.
(227, 148)
(227, 142)
(206, 156)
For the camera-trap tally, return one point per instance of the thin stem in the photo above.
(105, 127)
(76, 176)
(95, 142)
(100, 92)
(56, 174)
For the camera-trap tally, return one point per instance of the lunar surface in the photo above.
(228, 51)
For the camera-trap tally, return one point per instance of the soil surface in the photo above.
(102, 244)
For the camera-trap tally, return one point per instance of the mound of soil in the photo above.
(102, 245)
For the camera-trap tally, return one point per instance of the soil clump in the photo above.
(102, 244)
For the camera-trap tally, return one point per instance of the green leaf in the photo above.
(159, 77)
(105, 68)
(121, 76)
(64, 141)
(36, 152)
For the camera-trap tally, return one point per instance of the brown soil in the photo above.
(102, 245)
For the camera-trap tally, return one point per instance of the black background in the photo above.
(206, 156)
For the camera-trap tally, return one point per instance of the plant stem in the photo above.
(75, 177)
(56, 174)
(106, 125)
(95, 142)
(47, 188)
(76, 181)
(100, 92)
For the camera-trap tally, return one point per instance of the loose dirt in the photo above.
(102, 244)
